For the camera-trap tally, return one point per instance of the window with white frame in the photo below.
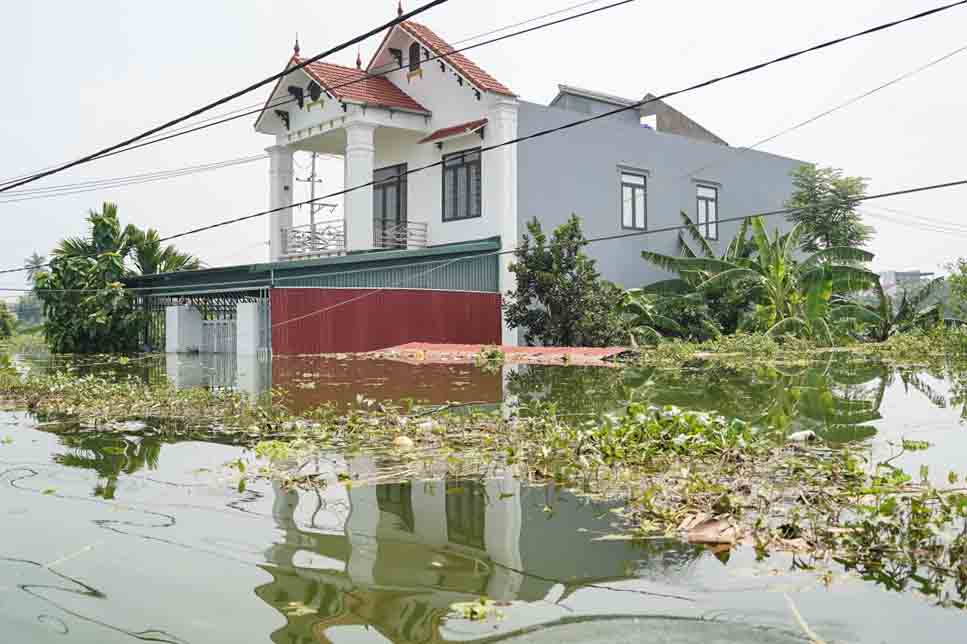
(634, 200)
(707, 211)
(461, 185)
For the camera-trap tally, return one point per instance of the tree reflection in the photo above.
(837, 399)
(110, 456)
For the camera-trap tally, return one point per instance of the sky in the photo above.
(80, 76)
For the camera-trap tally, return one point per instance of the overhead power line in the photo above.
(835, 108)
(855, 99)
(225, 99)
(260, 104)
(69, 189)
(572, 124)
(286, 101)
(508, 251)
(597, 117)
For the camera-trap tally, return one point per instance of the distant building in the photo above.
(894, 282)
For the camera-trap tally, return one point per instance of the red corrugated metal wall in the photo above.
(379, 320)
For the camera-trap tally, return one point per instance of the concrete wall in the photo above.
(672, 121)
(578, 172)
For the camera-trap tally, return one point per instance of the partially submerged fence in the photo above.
(218, 311)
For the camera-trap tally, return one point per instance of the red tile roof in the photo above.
(459, 62)
(454, 130)
(347, 83)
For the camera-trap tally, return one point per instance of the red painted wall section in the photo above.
(320, 320)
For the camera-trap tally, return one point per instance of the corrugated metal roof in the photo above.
(424, 268)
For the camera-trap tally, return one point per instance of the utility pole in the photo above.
(312, 197)
(313, 206)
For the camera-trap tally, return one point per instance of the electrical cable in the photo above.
(589, 241)
(918, 224)
(566, 126)
(436, 264)
(364, 77)
(838, 107)
(596, 117)
(132, 180)
(261, 105)
(230, 97)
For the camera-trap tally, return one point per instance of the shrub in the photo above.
(561, 299)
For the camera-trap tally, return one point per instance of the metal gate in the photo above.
(218, 312)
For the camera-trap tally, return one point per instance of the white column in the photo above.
(280, 196)
(358, 204)
(503, 523)
(183, 329)
(248, 328)
(429, 502)
(500, 167)
(362, 525)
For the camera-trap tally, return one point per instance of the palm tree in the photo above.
(107, 237)
(34, 264)
(789, 295)
(150, 258)
(143, 247)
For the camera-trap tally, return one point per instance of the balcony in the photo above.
(412, 234)
(323, 239)
(328, 238)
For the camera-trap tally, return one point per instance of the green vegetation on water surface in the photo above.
(710, 477)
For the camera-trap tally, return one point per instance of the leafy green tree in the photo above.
(560, 299)
(7, 322)
(86, 306)
(957, 280)
(826, 202)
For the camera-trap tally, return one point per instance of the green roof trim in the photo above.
(420, 268)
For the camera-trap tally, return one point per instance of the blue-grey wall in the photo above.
(577, 171)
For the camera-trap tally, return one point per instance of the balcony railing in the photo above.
(413, 234)
(315, 240)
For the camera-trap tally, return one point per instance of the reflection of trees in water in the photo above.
(110, 456)
(570, 390)
(837, 398)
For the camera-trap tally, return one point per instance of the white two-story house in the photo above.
(416, 129)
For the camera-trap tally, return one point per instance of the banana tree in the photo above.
(645, 324)
(789, 295)
(884, 319)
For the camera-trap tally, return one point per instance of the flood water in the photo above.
(120, 538)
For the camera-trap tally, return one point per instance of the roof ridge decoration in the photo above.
(350, 85)
(447, 55)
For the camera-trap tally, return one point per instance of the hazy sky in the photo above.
(81, 75)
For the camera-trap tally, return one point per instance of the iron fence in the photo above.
(218, 312)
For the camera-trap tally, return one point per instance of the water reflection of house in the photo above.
(408, 551)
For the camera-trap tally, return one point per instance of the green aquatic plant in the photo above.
(490, 359)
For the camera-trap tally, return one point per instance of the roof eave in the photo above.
(391, 108)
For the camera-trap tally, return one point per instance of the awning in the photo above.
(454, 131)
